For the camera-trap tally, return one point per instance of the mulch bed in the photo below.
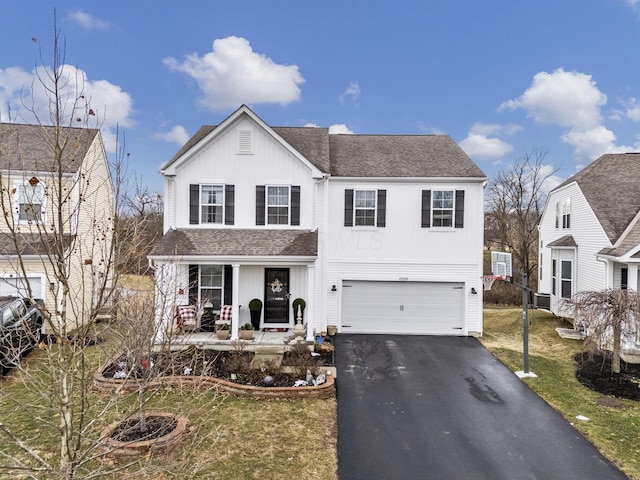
(593, 370)
(131, 430)
(233, 366)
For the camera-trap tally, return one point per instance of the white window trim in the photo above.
(356, 208)
(16, 199)
(563, 279)
(267, 205)
(206, 289)
(566, 213)
(453, 210)
(201, 205)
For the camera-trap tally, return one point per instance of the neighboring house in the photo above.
(377, 233)
(57, 208)
(589, 237)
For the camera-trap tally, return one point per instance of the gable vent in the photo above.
(245, 142)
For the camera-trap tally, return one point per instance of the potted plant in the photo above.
(246, 331)
(255, 309)
(223, 332)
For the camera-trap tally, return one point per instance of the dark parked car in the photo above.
(20, 329)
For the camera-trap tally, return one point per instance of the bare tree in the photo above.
(515, 201)
(608, 316)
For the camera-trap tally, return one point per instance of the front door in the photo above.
(276, 297)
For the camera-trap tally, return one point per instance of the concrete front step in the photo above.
(261, 360)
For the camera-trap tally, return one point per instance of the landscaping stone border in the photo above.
(119, 449)
(323, 391)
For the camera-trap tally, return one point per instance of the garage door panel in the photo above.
(403, 307)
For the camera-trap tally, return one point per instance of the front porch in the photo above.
(261, 341)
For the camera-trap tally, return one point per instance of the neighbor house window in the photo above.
(624, 278)
(442, 208)
(566, 273)
(365, 208)
(211, 203)
(211, 284)
(554, 274)
(566, 213)
(30, 199)
(277, 205)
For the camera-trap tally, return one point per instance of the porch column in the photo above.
(235, 302)
(632, 276)
(310, 307)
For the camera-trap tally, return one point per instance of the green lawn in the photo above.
(230, 438)
(614, 430)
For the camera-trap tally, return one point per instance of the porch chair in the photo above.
(224, 318)
(187, 318)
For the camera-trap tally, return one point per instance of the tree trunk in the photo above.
(615, 357)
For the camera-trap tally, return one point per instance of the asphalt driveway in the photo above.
(425, 407)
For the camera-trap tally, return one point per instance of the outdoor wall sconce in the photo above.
(334, 288)
(473, 291)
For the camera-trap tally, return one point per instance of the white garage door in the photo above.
(17, 287)
(427, 308)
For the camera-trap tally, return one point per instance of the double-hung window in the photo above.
(442, 208)
(211, 284)
(566, 274)
(278, 205)
(211, 203)
(365, 208)
(30, 199)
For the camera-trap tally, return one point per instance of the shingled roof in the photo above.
(611, 185)
(237, 242)
(30, 244)
(30, 147)
(426, 156)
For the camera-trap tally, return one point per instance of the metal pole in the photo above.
(525, 322)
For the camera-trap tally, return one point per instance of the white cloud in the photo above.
(350, 95)
(177, 135)
(88, 22)
(632, 111)
(233, 74)
(339, 128)
(311, 125)
(99, 103)
(567, 99)
(481, 146)
(573, 101)
(482, 143)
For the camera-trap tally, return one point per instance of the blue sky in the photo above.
(503, 78)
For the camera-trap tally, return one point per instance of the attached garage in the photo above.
(17, 287)
(422, 308)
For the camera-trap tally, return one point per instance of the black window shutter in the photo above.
(295, 205)
(260, 204)
(193, 284)
(229, 204)
(426, 208)
(194, 204)
(382, 208)
(459, 223)
(348, 207)
(228, 285)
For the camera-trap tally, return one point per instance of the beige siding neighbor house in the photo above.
(376, 233)
(57, 209)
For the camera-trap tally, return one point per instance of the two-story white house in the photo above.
(590, 241)
(377, 233)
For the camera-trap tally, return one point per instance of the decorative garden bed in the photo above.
(231, 372)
